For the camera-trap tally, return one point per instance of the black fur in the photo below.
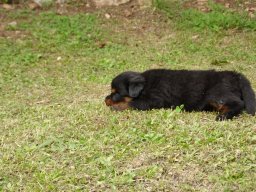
(227, 92)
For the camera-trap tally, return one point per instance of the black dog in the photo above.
(227, 92)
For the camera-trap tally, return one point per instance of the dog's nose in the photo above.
(108, 101)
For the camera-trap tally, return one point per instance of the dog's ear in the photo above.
(136, 85)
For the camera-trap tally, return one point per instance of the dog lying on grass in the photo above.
(227, 92)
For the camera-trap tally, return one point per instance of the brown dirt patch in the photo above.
(5, 32)
(135, 21)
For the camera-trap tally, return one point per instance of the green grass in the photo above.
(217, 19)
(57, 134)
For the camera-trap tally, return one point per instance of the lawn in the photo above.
(58, 135)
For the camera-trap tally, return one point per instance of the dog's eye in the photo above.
(113, 90)
(116, 97)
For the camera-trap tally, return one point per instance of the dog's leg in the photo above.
(118, 106)
(225, 99)
(230, 110)
(227, 109)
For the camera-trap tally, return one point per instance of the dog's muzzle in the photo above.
(108, 101)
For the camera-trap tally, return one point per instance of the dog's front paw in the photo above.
(120, 106)
(221, 117)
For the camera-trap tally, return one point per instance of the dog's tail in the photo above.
(248, 95)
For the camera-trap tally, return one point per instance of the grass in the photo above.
(57, 134)
(217, 19)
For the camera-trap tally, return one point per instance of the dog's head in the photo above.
(124, 88)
